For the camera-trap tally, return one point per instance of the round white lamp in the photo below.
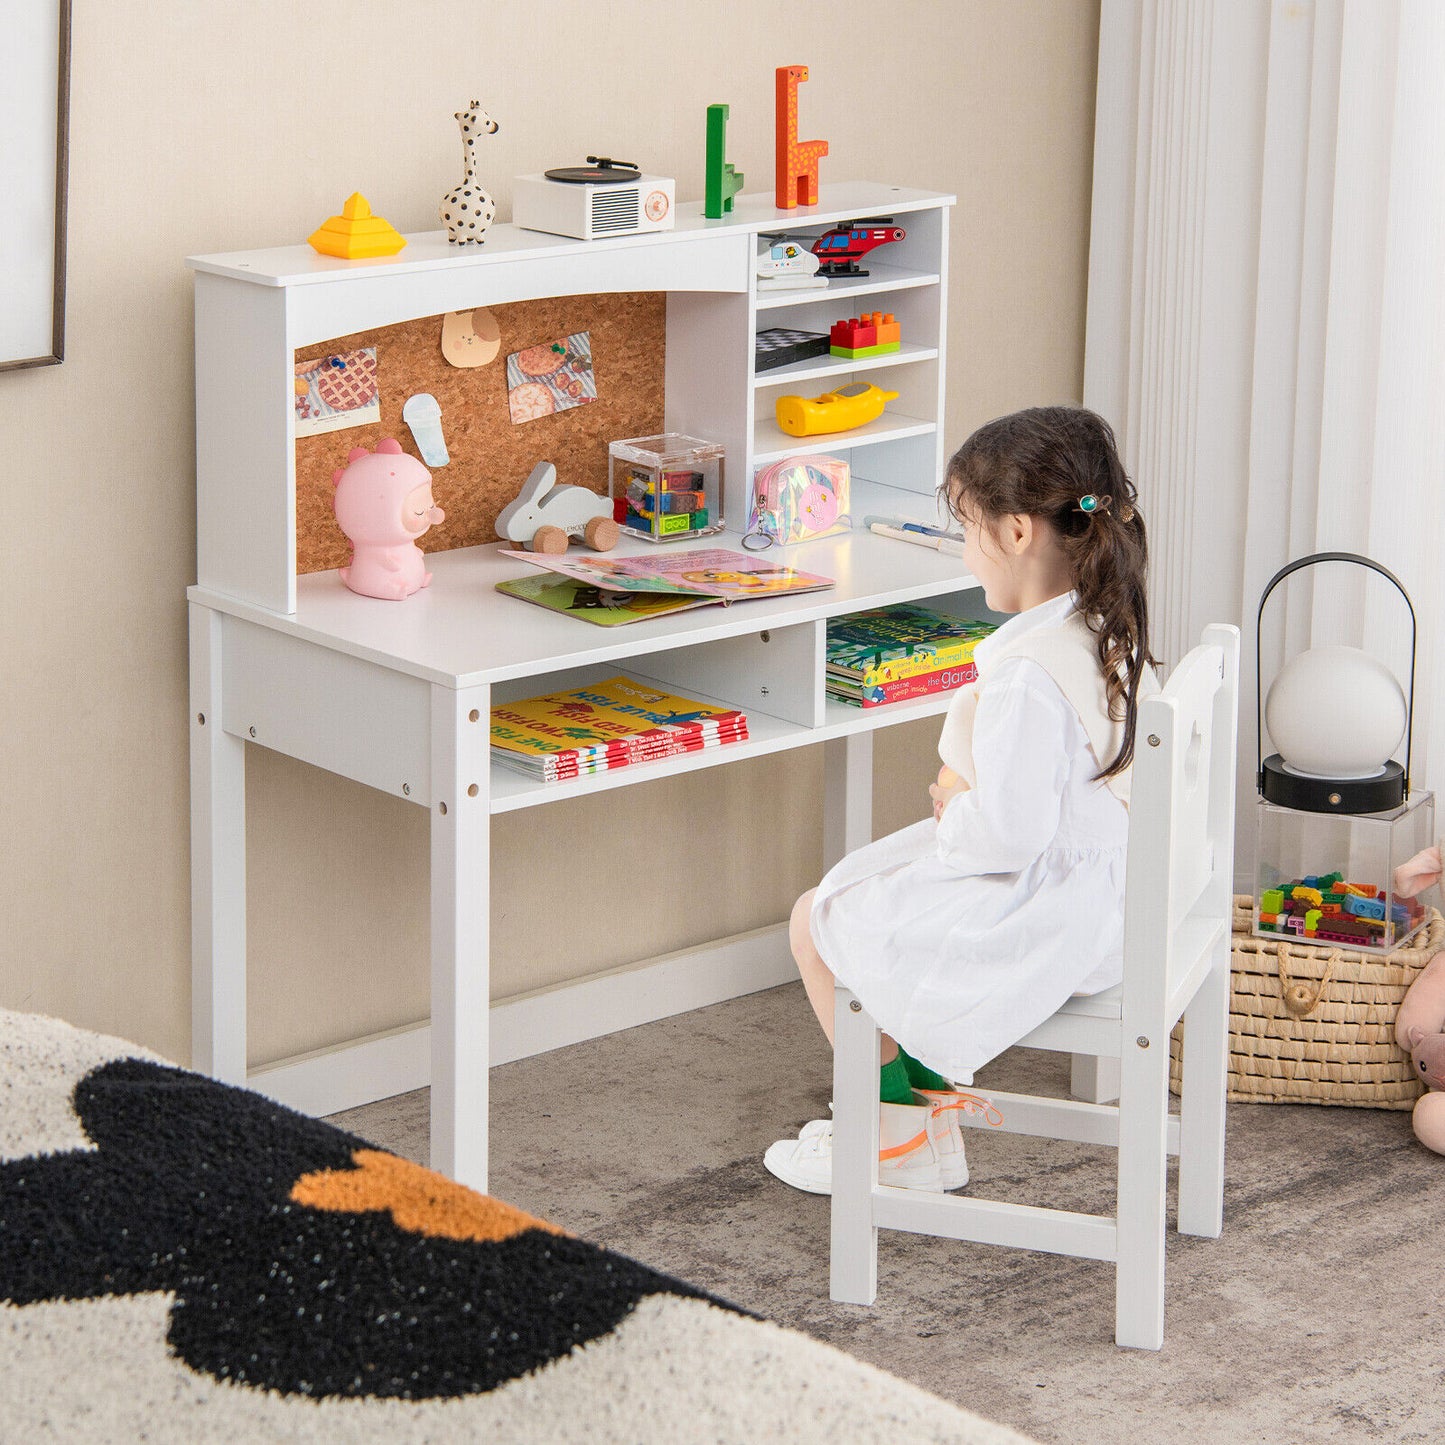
(1336, 714)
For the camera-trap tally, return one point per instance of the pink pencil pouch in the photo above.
(797, 499)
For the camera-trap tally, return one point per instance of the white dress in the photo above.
(961, 936)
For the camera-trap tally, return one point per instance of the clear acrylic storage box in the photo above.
(666, 488)
(1330, 878)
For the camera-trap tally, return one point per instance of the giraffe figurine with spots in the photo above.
(797, 160)
(467, 209)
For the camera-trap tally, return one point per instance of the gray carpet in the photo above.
(1314, 1317)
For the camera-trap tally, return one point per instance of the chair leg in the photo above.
(1094, 1079)
(1143, 1165)
(1203, 1088)
(853, 1251)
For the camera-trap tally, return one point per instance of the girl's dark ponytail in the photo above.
(1062, 463)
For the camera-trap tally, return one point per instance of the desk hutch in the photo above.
(396, 695)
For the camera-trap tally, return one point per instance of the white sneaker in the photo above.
(944, 1132)
(906, 1158)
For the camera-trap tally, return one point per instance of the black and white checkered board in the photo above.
(779, 345)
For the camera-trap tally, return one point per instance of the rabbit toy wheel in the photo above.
(601, 534)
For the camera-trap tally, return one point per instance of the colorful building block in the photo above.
(875, 333)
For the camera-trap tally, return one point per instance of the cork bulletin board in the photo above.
(490, 455)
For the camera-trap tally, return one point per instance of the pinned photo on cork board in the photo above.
(554, 376)
(336, 392)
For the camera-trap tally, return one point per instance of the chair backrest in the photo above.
(1180, 877)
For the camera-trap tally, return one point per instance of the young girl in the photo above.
(963, 932)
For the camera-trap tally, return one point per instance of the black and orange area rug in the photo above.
(185, 1261)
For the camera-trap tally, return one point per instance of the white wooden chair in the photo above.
(1179, 886)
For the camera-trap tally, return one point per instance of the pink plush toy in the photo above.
(383, 502)
(1420, 1023)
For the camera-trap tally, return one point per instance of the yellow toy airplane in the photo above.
(850, 406)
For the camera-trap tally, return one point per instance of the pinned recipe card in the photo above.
(336, 392)
(552, 377)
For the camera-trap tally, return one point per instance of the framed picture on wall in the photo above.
(34, 120)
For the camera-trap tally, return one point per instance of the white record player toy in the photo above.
(602, 198)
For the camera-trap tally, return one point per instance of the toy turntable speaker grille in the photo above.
(797, 499)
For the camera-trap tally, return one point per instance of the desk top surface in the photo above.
(460, 631)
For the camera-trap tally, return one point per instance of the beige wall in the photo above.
(242, 123)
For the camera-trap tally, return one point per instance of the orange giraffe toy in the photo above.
(797, 178)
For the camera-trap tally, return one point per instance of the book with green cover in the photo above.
(888, 644)
(595, 604)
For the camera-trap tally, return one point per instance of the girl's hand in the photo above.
(1418, 873)
(948, 786)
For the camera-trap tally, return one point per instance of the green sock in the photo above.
(893, 1085)
(920, 1076)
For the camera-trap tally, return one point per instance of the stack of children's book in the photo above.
(892, 654)
(606, 725)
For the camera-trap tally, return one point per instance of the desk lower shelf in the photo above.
(512, 791)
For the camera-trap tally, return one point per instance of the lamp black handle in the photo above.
(1258, 628)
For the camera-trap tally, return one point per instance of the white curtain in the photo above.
(1266, 322)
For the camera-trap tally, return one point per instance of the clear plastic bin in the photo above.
(666, 488)
(1330, 878)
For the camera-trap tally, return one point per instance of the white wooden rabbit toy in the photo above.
(545, 515)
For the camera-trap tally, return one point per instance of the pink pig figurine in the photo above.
(383, 502)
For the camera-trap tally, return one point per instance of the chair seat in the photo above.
(1106, 1004)
(1085, 1024)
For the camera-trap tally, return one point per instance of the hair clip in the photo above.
(1089, 504)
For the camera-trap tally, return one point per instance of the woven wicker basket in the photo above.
(1315, 1024)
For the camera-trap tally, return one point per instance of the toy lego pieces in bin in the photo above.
(356, 235)
(849, 406)
(874, 333)
(1328, 909)
(545, 515)
(383, 502)
(467, 210)
(666, 488)
(797, 160)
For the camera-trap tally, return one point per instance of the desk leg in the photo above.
(460, 918)
(218, 866)
(847, 795)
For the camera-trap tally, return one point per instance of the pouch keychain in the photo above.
(798, 499)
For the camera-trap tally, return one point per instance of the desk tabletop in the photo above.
(460, 631)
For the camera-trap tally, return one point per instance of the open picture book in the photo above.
(611, 591)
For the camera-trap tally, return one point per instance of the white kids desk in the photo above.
(397, 695)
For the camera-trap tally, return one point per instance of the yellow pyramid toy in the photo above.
(356, 235)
